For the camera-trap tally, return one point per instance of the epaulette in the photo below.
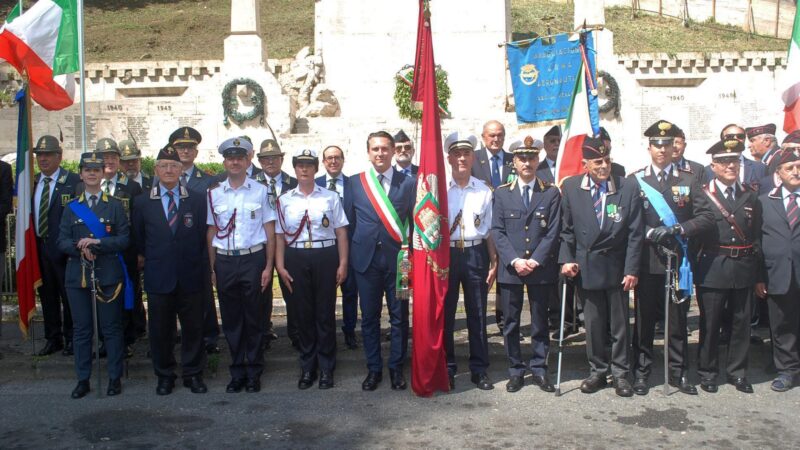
(104, 197)
(686, 169)
(504, 185)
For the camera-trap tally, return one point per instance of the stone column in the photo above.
(244, 46)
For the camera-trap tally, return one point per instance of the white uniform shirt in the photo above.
(37, 195)
(475, 203)
(249, 202)
(323, 206)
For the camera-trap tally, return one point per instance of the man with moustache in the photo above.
(763, 144)
(404, 154)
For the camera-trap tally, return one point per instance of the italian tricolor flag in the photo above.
(578, 127)
(791, 86)
(42, 44)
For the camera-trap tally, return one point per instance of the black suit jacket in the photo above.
(543, 172)
(526, 234)
(781, 245)
(695, 169)
(172, 262)
(6, 196)
(482, 168)
(754, 172)
(63, 193)
(605, 254)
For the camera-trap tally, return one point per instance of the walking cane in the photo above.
(93, 289)
(561, 339)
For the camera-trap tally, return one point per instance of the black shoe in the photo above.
(306, 380)
(372, 381)
(165, 386)
(709, 386)
(482, 381)
(253, 385)
(350, 340)
(81, 389)
(271, 335)
(543, 382)
(102, 350)
(236, 385)
(50, 347)
(212, 349)
(683, 385)
(623, 387)
(515, 383)
(114, 387)
(756, 340)
(325, 379)
(594, 383)
(640, 386)
(128, 352)
(68, 349)
(195, 384)
(388, 336)
(295, 344)
(398, 380)
(266, 345)
(741, 383)
(451, 381)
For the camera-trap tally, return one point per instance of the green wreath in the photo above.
(402, 93)
(230, 105)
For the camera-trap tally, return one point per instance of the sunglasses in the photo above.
(739, 136)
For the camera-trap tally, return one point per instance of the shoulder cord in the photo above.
(292, 234)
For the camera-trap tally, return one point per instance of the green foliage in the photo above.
(402, 95)
(211, 168)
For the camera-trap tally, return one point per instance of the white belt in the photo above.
(314, 244)
(467, 243)
(243, 251)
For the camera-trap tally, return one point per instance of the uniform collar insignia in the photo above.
(154, 192)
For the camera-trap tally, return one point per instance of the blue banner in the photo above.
(543, 76)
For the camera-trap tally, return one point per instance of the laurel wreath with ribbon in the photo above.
(230, 104)
(612, 94)
(402, 93)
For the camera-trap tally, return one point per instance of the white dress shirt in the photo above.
(474, 201)
(252, 209)
(387, 179)
(321, 204)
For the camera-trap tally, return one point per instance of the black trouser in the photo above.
(53, 295)
(210, 322)
(512, 297)
(242, 309)
(163, 310)
(469, 268)
(313, 300)
(601, 309)
(713, 305)
(784, 322)
(291, 326)
(649, 310)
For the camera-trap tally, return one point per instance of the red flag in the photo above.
(419, 69)
(431, 255)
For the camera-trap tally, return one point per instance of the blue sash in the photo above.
(93, 223)
(685, 277)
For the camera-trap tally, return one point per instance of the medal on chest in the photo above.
(680, 195)
(325, 221)
(613, 213)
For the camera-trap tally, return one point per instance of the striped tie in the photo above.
(172, 212)
(791, 211)
(44, 206)
(598, 203)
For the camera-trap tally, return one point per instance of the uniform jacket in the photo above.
(199, 181)
(6, 194)
(107, 267)
(754, 172)
(414, 169)
(605, 254)
(781, 245)
(526, 234)
(171, 261)
(147, 183)
(714, 270)
(482, 169)
(695, 169)
(543, 172)
(369, 231)
(63, 192)
(691, 208)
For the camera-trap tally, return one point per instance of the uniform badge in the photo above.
(477, 221)
(613, 213)
(126, 205)
(748, 212)
(65, 198)
(539, 215)
(325, 222)
(253, 214)
(188, 220)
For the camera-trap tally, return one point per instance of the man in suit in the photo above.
(404, 154)
(185, 141)
(601, 245)
(270, 157)
(526, 219)
(377, 240)
(763, 144)
(728, 266)
(781, 246)
(681, 196)
(752, 171)
(547, 168)
(688, 166)
(54, 188)
(131, 161)
(169, 233)
(335, 180)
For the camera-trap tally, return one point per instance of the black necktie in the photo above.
(729, 195)
(381, 177)
(92, 201)
(526, 196)
(662, 178)
(44, 206)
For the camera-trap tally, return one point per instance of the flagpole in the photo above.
(21, 6)
(82, 76)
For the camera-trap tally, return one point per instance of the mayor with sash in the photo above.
(381, 204)
(93, 233)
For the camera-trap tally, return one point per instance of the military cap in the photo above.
(235, 147)
(91, 160)
(554, 131)
(460, 140)
(725, 149)
(185, 135)
(752, 132)
(604, 134)
(107, 145)
(130, 150)
(784, 156)
(401, 136)
(269, 147)
(594, 148)
(305, 156)
(661, 132)
(527, 145)
(47, 144)
(168, 153)
(792, 139)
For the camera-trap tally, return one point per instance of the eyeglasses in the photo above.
(334, 158)
(739, 136)
(270, 159)
(404, 146)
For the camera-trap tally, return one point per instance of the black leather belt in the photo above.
(733, 252)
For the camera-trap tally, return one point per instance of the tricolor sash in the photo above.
(396, 228)
(99, 230)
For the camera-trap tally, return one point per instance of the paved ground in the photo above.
(38, 413)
